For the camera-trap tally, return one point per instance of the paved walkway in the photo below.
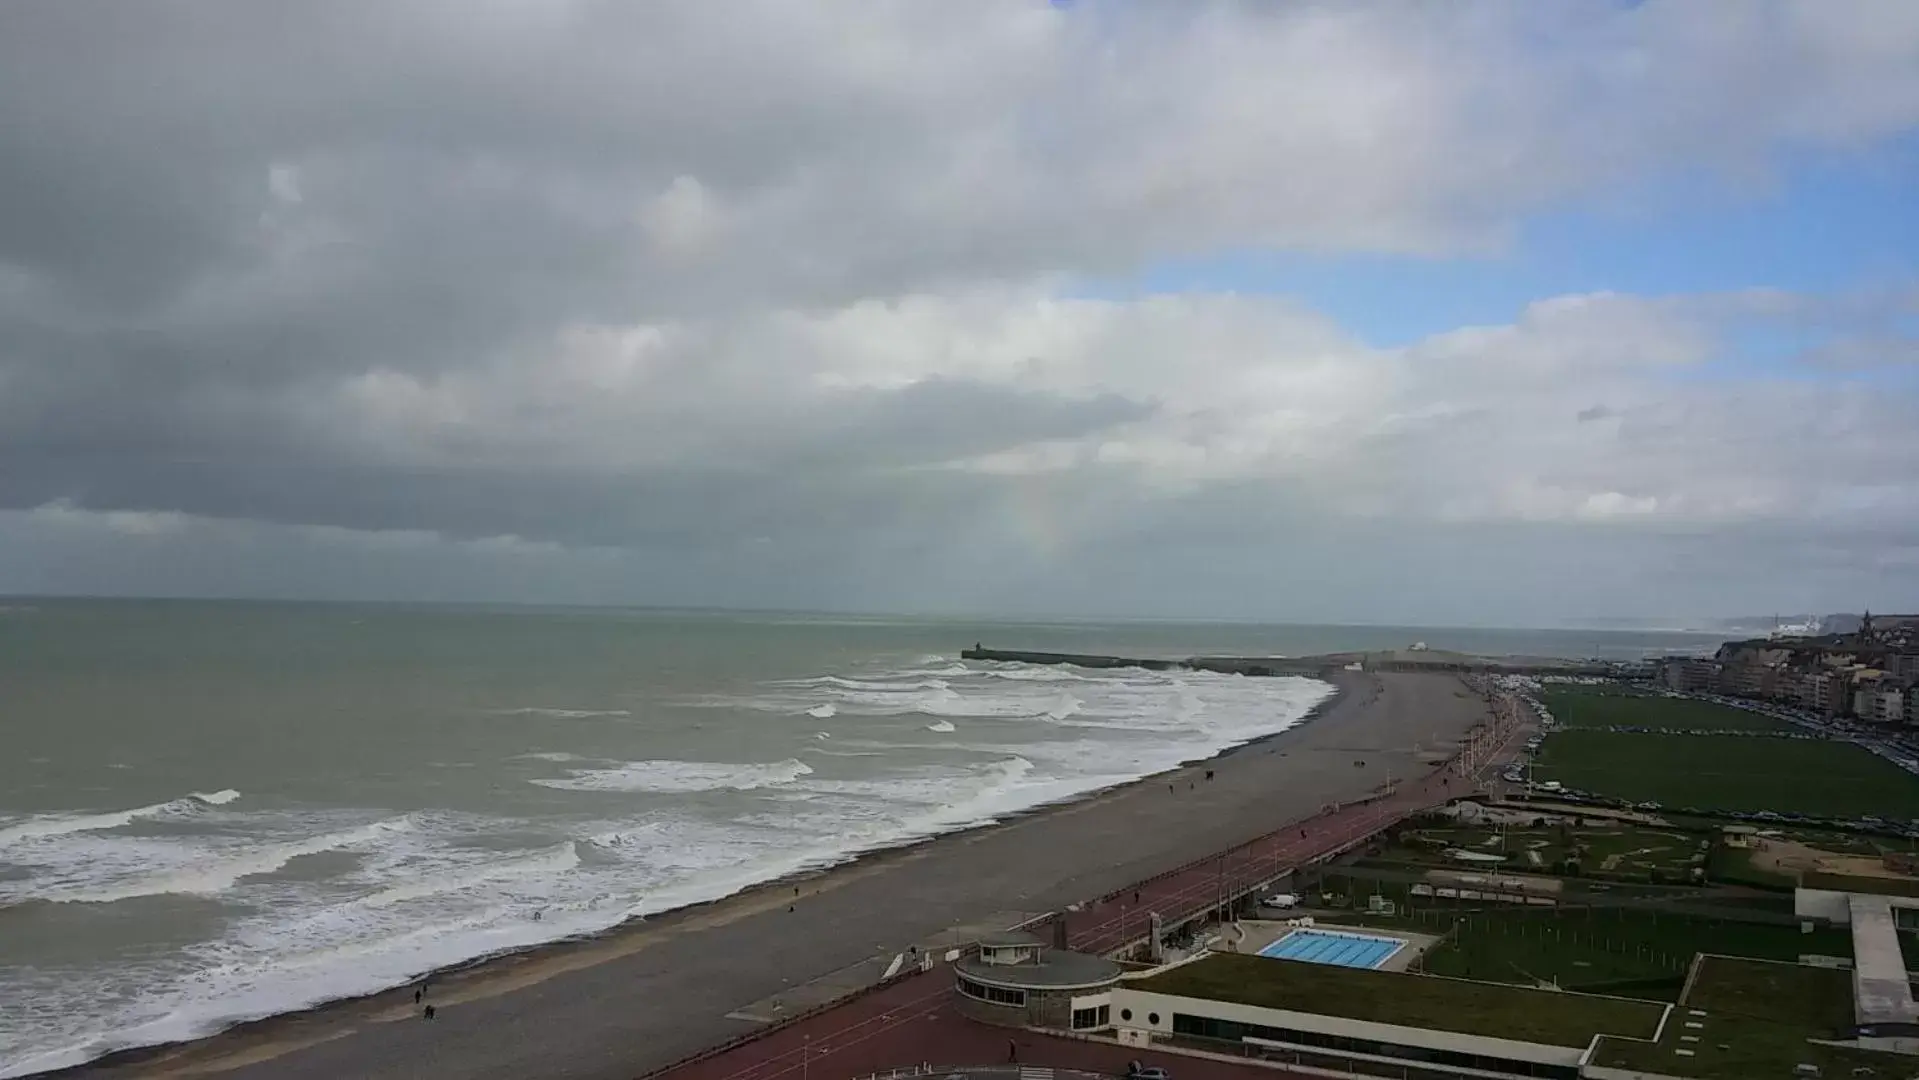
(912, 1020)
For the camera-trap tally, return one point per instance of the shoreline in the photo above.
(262, 1039)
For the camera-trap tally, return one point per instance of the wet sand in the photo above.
(647, 993)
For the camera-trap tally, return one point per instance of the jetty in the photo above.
(1414, 660)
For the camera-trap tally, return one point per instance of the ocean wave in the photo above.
(878, 686)
(821, 712)
(555, 860)
(1040, 673)
(551, 755)
(561, 714)
(217, 875)
(680, 776)
(462, 885)
(995, 793)
(64, 824)
(942, 725)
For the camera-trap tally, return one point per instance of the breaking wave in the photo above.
(554, 860)
(561, 714)
(679, 776)
(64, 824)
(216, 875)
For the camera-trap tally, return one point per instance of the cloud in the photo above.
(703, 303)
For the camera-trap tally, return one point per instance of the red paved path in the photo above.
(912, 1020)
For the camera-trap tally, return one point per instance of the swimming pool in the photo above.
(1335, 947)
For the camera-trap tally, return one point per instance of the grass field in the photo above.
(1595, 949)
(1601, 948)
(1579, 707)
(1418, 1001)
(1744, 1019)
(1827, 779)
(1627, 851)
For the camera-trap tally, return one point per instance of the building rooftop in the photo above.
(1007, 939)
(1860, 883)
(1053, 970)
(1882, 992)
(1547, 1017)
(1740, 1019)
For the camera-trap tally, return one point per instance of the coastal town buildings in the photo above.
(1871, 675)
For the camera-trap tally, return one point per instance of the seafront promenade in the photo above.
(912, 1020)
(653, 993)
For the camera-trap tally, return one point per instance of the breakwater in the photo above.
(1404, 660)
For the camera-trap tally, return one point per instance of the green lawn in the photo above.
(1831, 779)
(1592, 949)
(1511, 1012)
(1754, 1019)
(1624, 851)
(1579, 707)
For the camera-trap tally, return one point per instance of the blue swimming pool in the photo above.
(1334, 947)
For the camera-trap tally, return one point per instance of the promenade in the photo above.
(912, 1020)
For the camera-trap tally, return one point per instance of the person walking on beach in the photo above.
(430, 1010)
(417, 995)
(1012, 1052)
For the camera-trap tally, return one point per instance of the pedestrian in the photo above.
(429, 1013)
(1136, 898)
(789, 909)
(417, 994)
(1169, 788)
(1012, 1051)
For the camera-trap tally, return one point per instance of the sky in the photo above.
(1470, 313)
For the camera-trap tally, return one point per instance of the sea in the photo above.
(214, 812)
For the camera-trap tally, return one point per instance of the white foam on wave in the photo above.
(942, 725)
(459, 886)
(561, 714)
(555, 860)
(679, 776)
(1037, 673)
(65, 824)
(222, 872)
(822, 711)
(878, 686)
(551, 755)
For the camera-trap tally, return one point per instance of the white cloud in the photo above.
(63, 513)
(779, 271)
